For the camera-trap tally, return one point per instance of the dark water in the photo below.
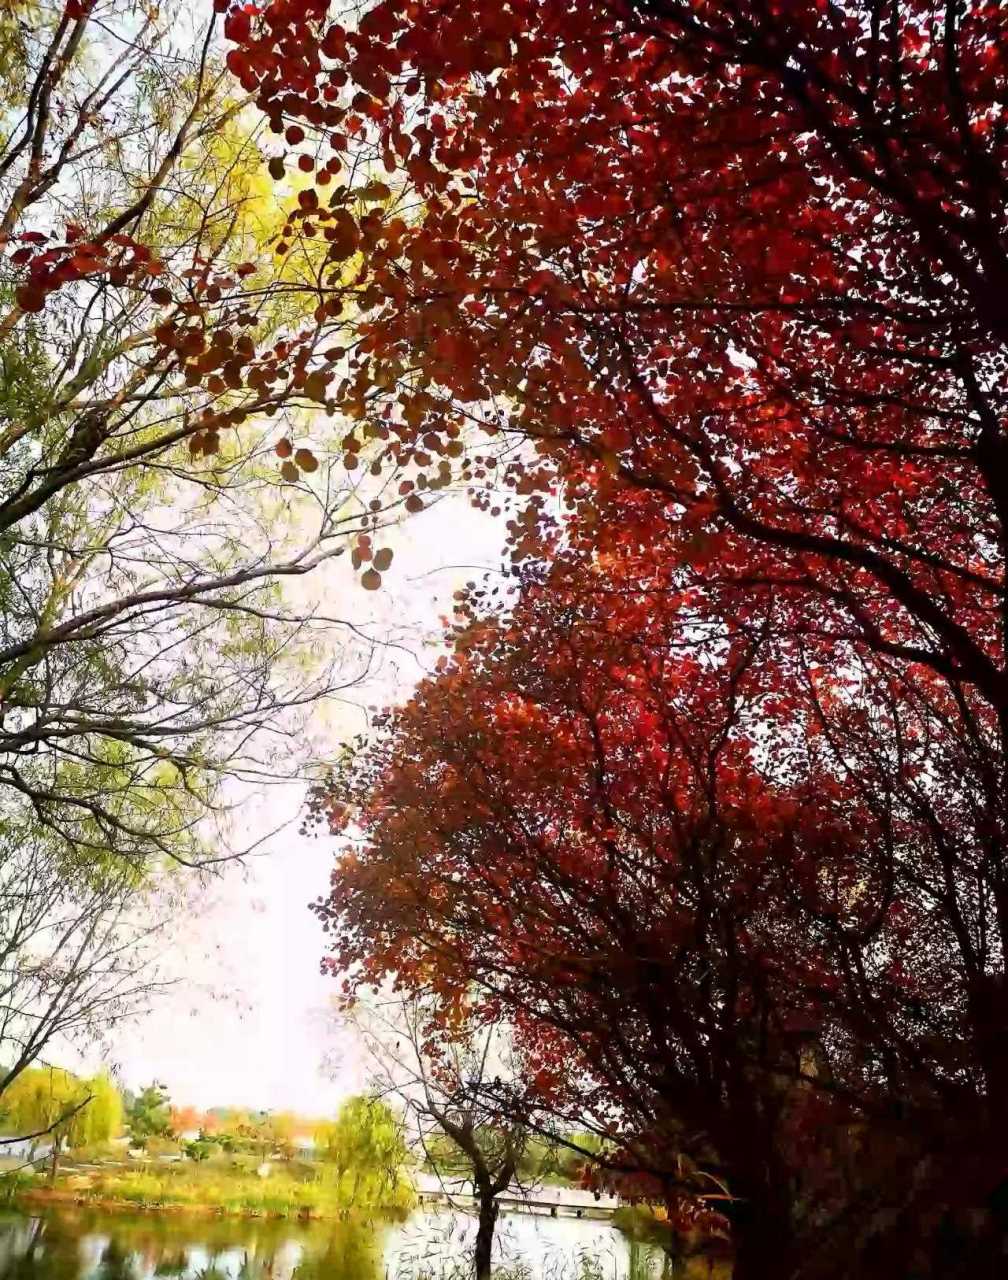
(91, 1245)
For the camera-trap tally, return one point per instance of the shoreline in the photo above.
(39, 1197)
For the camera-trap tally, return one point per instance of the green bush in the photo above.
(202, 1149)
(14, 1182)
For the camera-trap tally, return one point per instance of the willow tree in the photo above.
(53, 1105)
(147, 650)
(155, 490)
(366, 1147)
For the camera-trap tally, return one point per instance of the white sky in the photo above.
(245, 1025)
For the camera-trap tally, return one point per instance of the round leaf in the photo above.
(30, 298)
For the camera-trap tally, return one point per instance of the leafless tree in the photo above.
(78, 949)
(465, 1088)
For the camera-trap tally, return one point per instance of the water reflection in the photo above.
(87, 1245)
(92, 1246)
(439, 1246)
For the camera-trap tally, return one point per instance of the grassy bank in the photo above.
(312, 1191)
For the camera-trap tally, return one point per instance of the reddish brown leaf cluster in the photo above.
(50, 264)
(697, 249)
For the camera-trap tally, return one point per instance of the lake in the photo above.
(86, 1244)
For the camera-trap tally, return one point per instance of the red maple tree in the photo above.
(737, 269)
(742, 259)
(185, 1120)
(720, 940)
(746, 257)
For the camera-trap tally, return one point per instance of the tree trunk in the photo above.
(485, 1232)
(55, 1160)
(764, 1243)
(760, 1254)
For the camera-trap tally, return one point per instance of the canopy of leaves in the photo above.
(720, 942)
(741, 257)
(156, 483)
(735, 271)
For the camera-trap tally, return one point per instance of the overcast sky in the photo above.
(246, 1025)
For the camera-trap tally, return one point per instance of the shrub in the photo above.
(202, 1149)
(12, 1183)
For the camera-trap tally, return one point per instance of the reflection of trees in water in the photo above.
(35, 1252)
(152, 1248)
(89, 1245)
(266, 1266)
(350, 1253)
(116, 1263)
(433, 1246)
(20, 1245)
(16, 1238)
(173, 1263)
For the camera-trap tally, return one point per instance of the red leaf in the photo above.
(30, 298)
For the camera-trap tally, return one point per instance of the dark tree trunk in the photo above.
(485, 1232)
(764, 1239)
(759, 1255)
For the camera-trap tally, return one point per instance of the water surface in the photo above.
(86, 1244)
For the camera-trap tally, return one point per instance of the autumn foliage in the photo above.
(747, 258)
(720, 938)
(721, 808)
